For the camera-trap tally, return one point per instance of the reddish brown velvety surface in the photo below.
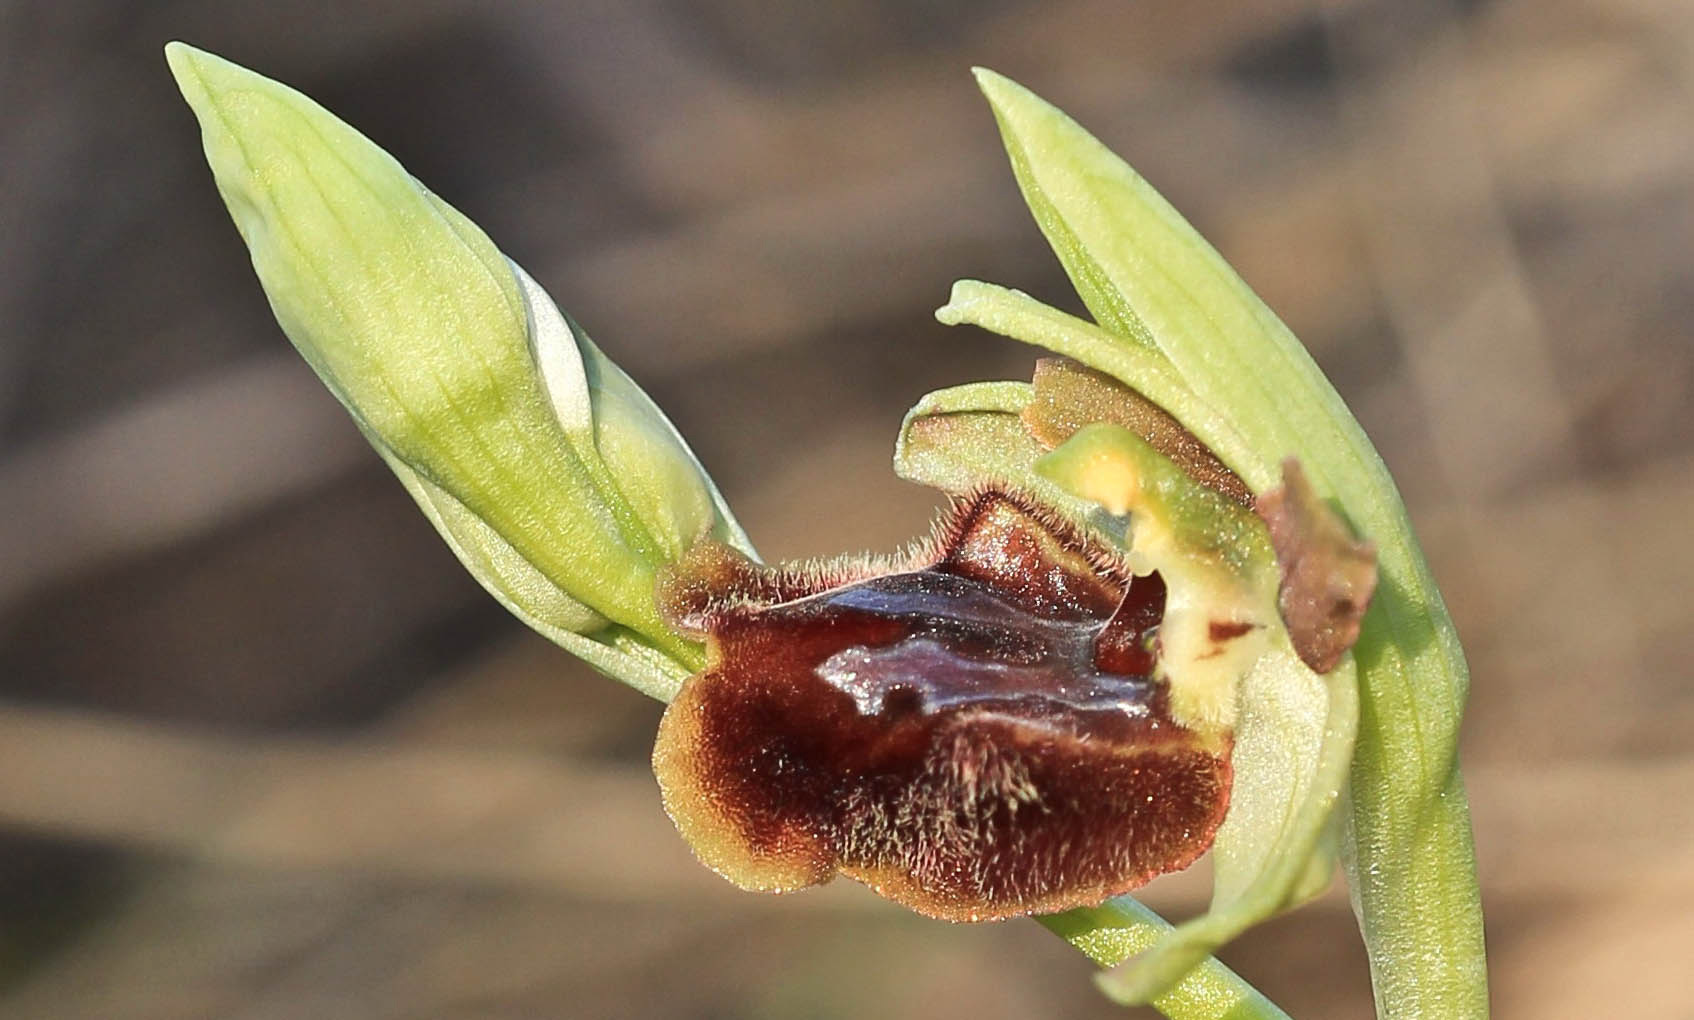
(977, 737)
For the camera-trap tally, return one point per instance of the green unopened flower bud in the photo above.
(553, 477)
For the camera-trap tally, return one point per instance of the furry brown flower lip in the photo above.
(976, 731)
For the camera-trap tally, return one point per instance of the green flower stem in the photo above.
(1121, 928)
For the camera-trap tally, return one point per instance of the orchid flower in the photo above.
(1176, 605)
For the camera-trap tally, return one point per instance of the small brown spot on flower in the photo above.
(1226, 630)
(975, 732)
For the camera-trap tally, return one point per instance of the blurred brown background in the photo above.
(266, 751)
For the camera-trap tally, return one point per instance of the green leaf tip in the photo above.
(556, 481)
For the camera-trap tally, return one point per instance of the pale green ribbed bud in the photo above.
(553, 477)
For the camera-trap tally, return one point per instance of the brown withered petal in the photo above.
(1328, 575)
(974, 731)
(1069, 395)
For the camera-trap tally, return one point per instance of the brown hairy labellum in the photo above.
(977, 730)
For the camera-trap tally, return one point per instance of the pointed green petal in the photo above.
(1014, 314)
(959, 438)
(1149, 278)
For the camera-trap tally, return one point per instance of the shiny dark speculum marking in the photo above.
(979, 736)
